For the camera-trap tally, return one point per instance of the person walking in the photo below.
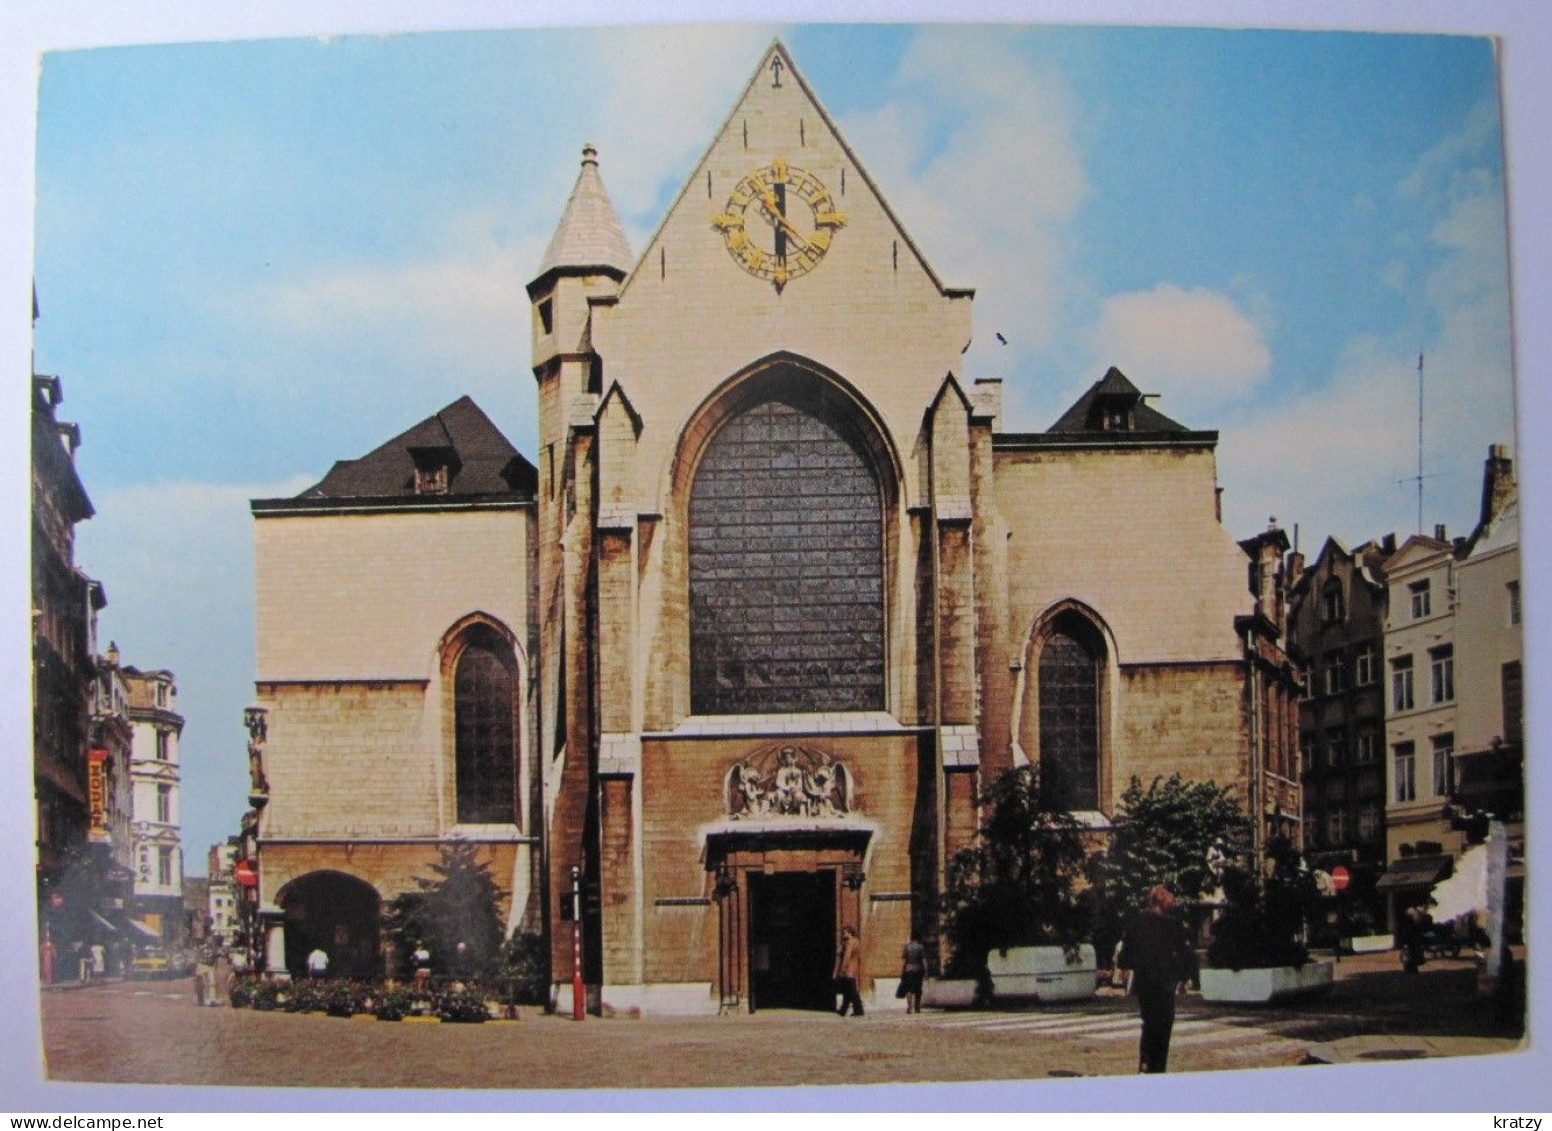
(318, 963)
(1157, 950)
(420, 960)
(913, 971)
(848, 971)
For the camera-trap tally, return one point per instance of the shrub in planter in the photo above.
(1019, 883)
(393, 1004)
(267, 995)
(1261, 924)
(305, 997)
(343, 999)
(524, 977)
(463, 1004)
(1166, 834)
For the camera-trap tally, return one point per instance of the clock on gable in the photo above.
(779, 222)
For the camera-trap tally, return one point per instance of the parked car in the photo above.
(155, 961)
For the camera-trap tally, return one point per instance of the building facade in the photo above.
(800, 593)
(156, 778)
(221, 892)
(63, 673)
(394, 714)
(1419, 718)
(780, 596)
(1338, 626)
(1489, 759)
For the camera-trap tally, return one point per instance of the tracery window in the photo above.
(485, 724)
(1069, 675)
(786, 567)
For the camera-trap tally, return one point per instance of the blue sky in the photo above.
(255, 258)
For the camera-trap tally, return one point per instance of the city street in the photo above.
(151, 1032)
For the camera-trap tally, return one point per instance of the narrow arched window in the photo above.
(1070, 672)
(786, 566)
(485, 720)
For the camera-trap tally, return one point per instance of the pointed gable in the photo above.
(1114, 404)
(589, 236)
(457, 451)
(778, 121)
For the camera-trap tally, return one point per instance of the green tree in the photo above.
(459, 903)
(1163, 835)
(1019, 883)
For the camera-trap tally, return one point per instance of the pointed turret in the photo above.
(587, 259)
(589, 239)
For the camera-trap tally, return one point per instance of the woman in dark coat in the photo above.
(1157, 950)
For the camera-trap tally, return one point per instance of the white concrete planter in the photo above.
(950, 993)
(1043, 973)
(1371, 944)
(1269, 984)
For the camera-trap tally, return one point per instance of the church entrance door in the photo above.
(792, 940)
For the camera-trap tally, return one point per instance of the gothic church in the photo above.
(776, 596)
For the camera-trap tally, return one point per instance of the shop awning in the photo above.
(144, 930)
(103, 923)
(1414, 871)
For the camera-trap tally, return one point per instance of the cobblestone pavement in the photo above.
(151, 1032)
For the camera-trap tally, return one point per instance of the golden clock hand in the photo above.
(768, 201)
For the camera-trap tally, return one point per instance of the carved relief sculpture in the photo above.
(788, 781)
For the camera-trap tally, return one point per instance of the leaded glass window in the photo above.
(786, 568)
(1069, 715)
(484, 710)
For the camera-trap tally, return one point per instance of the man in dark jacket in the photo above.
(1157, 950)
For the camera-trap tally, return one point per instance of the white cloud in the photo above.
(176, 560)
(1195, 347)
(666, 91)
(975, 152)
(1435, 171)
(1333, 461)
(1342, 459)
(463, 308)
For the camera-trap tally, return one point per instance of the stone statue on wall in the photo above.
(788, 781)
(256, 720)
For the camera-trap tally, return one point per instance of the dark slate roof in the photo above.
(482, 460)
(1084, 416)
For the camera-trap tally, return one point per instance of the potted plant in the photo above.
(1255, 956)
(393, 1003)
(463, 1004)
(305, 997)
(342, 998)
(267, 995)
(1014, 913)
(1176, 833)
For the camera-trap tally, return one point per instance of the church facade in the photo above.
(782, 594)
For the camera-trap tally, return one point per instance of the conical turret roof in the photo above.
(589, 235)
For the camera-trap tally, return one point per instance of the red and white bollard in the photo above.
(578, 989)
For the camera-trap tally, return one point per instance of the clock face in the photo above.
(779, 222)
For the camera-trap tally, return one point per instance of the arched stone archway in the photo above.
(337, 912)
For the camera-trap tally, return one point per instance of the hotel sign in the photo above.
(97, 796)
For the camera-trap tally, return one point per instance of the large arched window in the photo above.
(485, 728)
(1070, 675)
(786, 566)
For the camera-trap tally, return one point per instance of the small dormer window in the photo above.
(434, 470)
(431, 480)
(1117, 419)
